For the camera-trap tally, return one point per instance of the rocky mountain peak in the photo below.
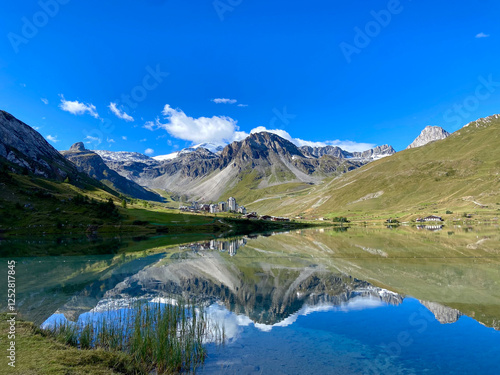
(483, 122)
(78, 147)
(428, 135)
(25, 147)
(273, 142)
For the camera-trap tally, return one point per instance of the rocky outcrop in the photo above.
(443, 314)
(376, 153)
(428, 135)
(365, 156)
(92, 164)
(27, 150)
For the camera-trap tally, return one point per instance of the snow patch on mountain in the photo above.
(215, 148)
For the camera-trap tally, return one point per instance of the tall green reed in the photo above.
(165, 338)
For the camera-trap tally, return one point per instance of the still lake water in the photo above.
(361, 301)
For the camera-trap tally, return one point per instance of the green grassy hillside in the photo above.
(459, 173)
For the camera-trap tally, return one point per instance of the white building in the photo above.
(214, 209)
(231, 204)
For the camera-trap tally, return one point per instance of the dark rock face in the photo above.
(77, 147)
(23, 146)
(92, 164)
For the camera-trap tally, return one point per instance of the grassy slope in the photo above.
(247, 189)
(448, 174)
(32, 206)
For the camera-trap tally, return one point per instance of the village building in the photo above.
(231, 204)
(222, 206)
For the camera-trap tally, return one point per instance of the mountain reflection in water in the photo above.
(256, 285)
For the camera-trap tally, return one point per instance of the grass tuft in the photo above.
(158, 337)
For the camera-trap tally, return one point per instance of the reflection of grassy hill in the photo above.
(460, 270)
(457, 173)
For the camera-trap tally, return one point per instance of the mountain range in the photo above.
(267, 172)
(259, 162)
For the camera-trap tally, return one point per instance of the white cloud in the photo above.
(223, 130)
(37, 128)
(78, 108)
(53, 138)
(242, 105)
(90, 139)
(482, 35)
(45, 101)
(351, 146)
(119, 113)
(124, 137)
(216, 129)
(224, 101)
(110, 140)
(280, 132)
(149, 151)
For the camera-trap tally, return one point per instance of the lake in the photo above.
(404, 300)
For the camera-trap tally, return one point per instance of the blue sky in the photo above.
(353, 73)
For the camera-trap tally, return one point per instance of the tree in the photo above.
(124, 203)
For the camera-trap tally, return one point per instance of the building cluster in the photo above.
(225, 206)
(229, 206)
(229, 246)
(429, 218)
(254, 216)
